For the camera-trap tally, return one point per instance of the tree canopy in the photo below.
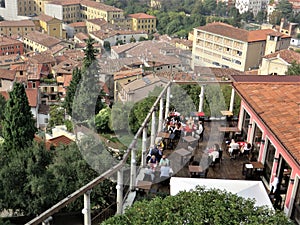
(293, 69)
(199, 207)
(86, 102)
(71, 91)
(18, 125)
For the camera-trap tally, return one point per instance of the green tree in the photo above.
(57, 114)
(18, 124)
(86, 103)
(2, 107)
(199, 207)
(25, 183)
(275, 17)
(103, 120)
(260, 17)
(286, 9)
(71, 91)
(293, 69)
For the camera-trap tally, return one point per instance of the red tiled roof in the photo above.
(287, 55)
(77, 24)
(60, 140)
(44, 17)
(7, 74)
(67, 80)
(277, 104)
(32, 95)
(141, 16)
(261, 35)
(227, 30)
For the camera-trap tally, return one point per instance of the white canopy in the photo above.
(244, 188)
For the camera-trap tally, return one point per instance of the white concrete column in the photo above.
(144, 147)
(201, 99)
(231, 100)
(133, 169)
(153, 131)
(168, 101)
(160, 118)
(119, 188)
(87, 207)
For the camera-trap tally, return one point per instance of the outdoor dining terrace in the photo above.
(189, 159)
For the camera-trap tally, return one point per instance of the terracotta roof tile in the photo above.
(287, 55)
(99, 5)
(7, 74)
(44, 17)
(77, 24)
(32, 95)
(275, 102)
(60, 140)
(17, 23)
(227, 30)
(43, 39)
(141, 16)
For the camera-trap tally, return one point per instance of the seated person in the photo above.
(233, 148)
(164, 161)
(246, 149)
(149, 173)
(153, 162)
(214, 154)
(165, 171)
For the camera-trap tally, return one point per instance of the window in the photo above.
(0, 83)
(270, 155)
(46, 120)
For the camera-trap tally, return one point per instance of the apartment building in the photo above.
(30, 7)
(66, 11)
(9, 46)
(143, 21)
(39, 42)
(253, 6)
(16, 28)
(70, 11)
(96, 24)
(93, 10)
(222, 45)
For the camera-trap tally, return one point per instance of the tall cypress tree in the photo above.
(18, 125)
(68, 103)
(86, 100)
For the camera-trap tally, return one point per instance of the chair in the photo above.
(235, 152)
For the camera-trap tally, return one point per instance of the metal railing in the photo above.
(72, 197)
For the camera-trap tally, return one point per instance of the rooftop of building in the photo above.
(45, 18)
(42, 39)
(229, 31)
(8, 41)
(17, 23)
(275, 99)
(7, 74)
(287, 55)
(141, 16)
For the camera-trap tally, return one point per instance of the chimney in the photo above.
(281, 24)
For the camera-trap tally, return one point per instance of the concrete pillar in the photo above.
(168, 101)
(201, 99)
(119, 188)
(231, 100)
(133, 169)
(160, 118)
(144, 147)
(153, 130)
(87, 207)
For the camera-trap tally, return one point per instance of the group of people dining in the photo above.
(158, 162)
(239, 148)
(178, 125)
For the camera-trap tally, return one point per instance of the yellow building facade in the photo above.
(20, 28)
(50, 25)
(142, 21)
(221, 45)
